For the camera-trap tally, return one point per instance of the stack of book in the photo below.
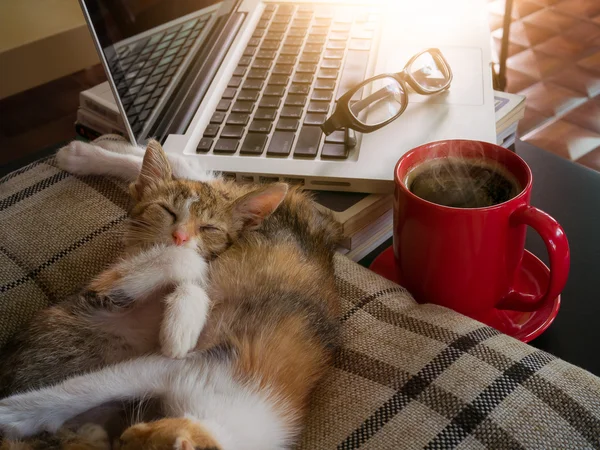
(366, 218)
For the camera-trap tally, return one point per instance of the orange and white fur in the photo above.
(270, 337)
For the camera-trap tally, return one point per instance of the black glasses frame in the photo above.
(342, 117)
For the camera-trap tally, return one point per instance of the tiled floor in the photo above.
(554, 60)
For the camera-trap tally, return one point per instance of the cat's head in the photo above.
(201, 215)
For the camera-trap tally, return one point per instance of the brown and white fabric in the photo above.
(408, 376)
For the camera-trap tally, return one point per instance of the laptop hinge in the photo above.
(182, 106)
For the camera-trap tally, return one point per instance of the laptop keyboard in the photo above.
(143, 69)
(300, 59)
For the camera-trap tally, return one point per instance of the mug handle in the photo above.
(558, 251)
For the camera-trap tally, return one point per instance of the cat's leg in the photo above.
(142, 274)
(81, 158)
(179, 433)
(186, 311)
(49, 408)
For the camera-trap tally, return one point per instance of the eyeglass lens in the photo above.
(384, 101)
(429, 71)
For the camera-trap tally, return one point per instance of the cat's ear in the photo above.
(155, 169)
(254, 207)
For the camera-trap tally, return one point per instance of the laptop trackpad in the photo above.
(467, 83)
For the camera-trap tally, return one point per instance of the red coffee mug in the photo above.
(467, 258)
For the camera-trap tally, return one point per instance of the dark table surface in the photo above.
(570, 193)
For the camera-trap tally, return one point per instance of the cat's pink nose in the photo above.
(180, 237)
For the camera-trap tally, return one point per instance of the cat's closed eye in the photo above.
(208, 227)
(169, 211)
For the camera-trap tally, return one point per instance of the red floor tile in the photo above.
(535, 64)
(591, 63)
(550, 99)
(565, 139)
(578, 79)
(591, 159)
(525, 34)
(517, 81)
(586, 116)
(531, 121)
(551, 20)
(561, 47)
(579, 8)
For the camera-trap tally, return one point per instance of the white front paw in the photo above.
(185, 315)
(20, 417)
(184, 264)
(77, 158)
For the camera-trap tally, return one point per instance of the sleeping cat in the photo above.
(270, 336)
(175, 226)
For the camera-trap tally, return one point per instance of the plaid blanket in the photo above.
(408, 376)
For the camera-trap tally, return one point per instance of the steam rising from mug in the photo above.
(462, 182)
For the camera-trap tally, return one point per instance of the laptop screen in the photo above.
(149, 45)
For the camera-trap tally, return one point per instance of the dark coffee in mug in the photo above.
(462, 182)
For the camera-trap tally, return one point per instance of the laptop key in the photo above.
(293, 112)
(306, 68)
(318, 107)
(204, 145)
(308, 141)
(314, 119)
(281, 143)
(234, 82)
(254, 144)
(242, 107)
(253, 84)
(283, 69)
(229, 93)
(363, 45)
(334, 151)
(336, 45)
(232, 131)
(211, 130)
(313, 48)
(287, 124)
(353, 72)
(290, 50)
(325, 84)
(245, 61)
(286, 59)
(269, 102)
(274, 36)
(294, 41)
(303, 78)
(297, 32)
(333, 54)
(302, 89)
(316, 39)
(265, 114)
(322, 95)
(311, 58)
(254, 42)
(265, 54)
(226, 146)
(337, 137)
(262, 64)
(248, 95)
(258, 33)
(279, 80)
(259, 74)
(240, 71)
(260, 126)
(238, 119)
(270, 45)
(274, 91)
(217, 117)
(331, 64)
(223, 105)
(278, 27)
(295, 100)
(328, 74)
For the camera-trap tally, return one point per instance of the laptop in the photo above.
(243, 85)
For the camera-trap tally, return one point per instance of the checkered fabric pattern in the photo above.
(408, 375)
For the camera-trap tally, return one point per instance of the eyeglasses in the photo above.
(426, 73)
